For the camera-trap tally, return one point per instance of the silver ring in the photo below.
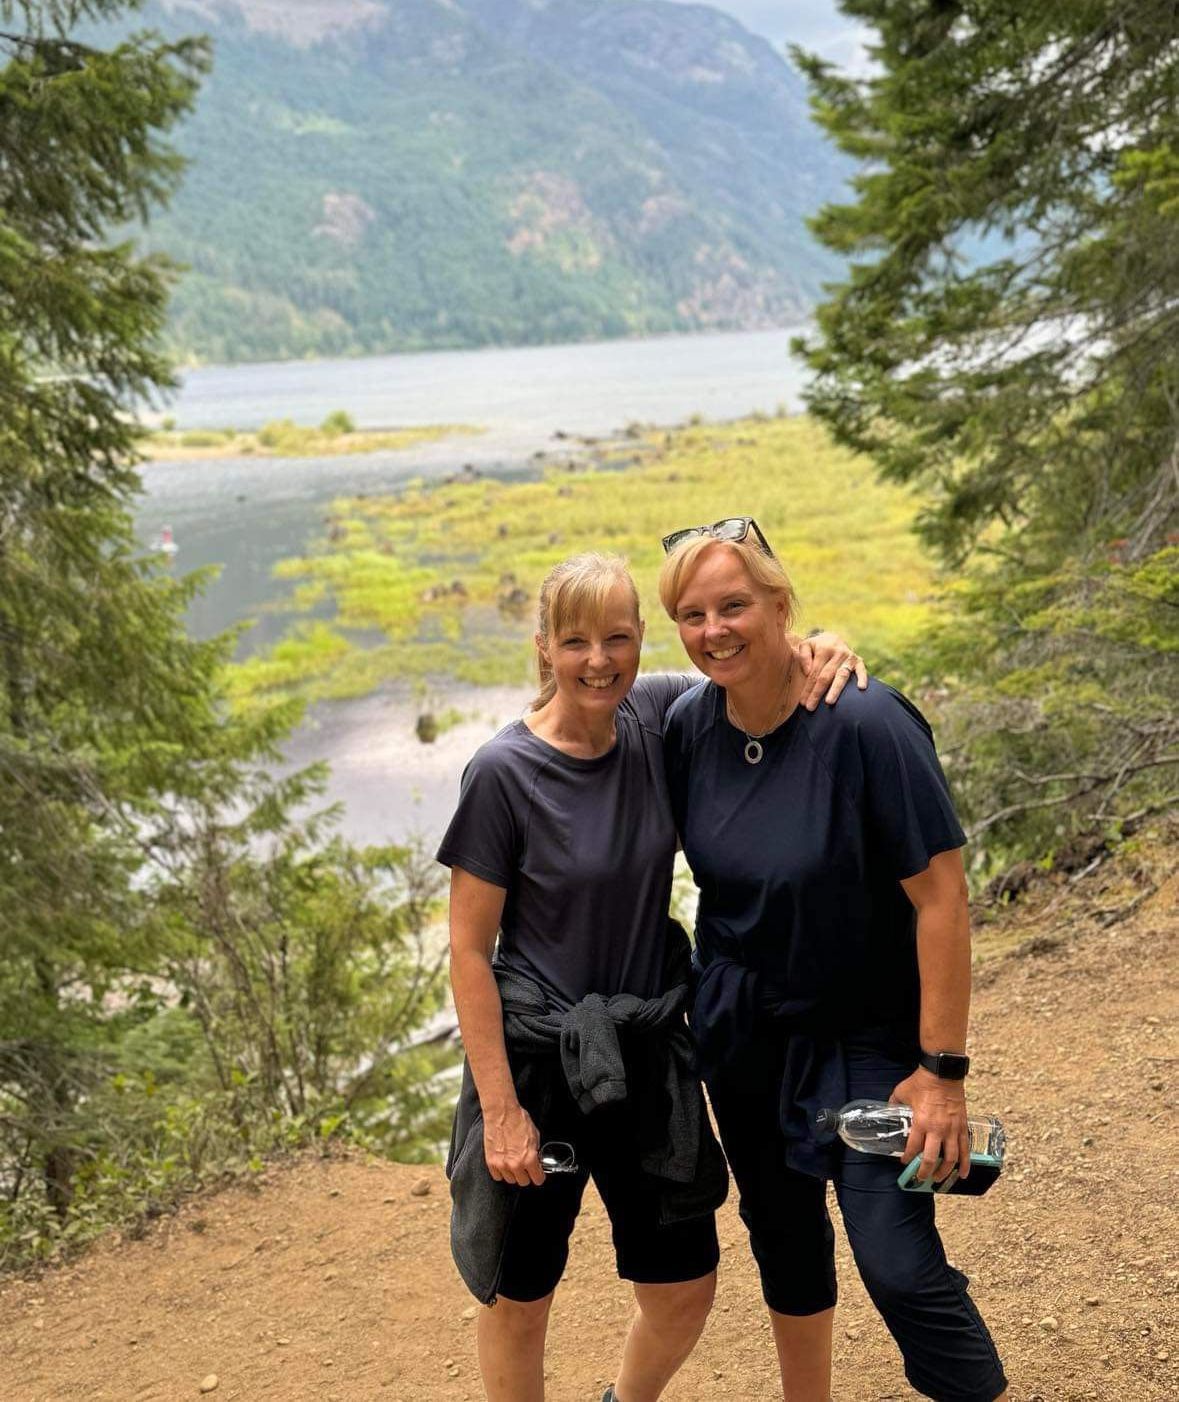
(845, 667)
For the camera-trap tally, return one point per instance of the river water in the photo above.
(244, 515)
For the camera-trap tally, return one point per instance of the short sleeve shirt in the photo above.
(584, 849)
(799, 858)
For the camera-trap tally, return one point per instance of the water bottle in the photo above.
(876, 1127)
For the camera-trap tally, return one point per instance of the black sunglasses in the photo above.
(732, 528)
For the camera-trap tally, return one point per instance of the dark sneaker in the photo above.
(608, 1395)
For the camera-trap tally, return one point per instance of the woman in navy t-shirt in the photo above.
(833, 941)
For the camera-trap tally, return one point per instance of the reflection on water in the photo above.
(390, 783)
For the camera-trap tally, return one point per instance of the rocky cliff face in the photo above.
(379, 174)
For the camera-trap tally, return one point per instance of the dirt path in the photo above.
(331, 1279)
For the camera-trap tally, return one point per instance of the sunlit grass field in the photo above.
(447, 574)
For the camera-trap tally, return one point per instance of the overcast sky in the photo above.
(816, 24)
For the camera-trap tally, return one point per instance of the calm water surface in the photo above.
(244, 515)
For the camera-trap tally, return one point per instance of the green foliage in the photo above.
(284, 438)
(337, 422)
(205, 438)
(1007, 339)
(473, 174)
(271, 434)
(133, 1059)
(308, 969)
(449, 572)
(99, 690)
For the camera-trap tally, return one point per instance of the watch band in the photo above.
(947, 1066)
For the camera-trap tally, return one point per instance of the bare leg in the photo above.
(666, 1326)
(803, 1342)
(511, 1349)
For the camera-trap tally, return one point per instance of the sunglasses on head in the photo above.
(732, 528)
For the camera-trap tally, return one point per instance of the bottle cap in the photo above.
(826, 1124)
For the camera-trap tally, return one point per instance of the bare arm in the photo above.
(510, 1140)
(939, 1130)
(828, 664)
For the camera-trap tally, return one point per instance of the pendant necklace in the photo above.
(753, 746)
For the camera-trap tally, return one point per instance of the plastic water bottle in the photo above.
(876, 1127)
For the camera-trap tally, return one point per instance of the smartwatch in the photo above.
(947, 1066)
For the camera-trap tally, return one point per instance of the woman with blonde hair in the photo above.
(833, 943)
(579, 1062)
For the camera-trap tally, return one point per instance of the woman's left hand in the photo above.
(827, 663)
(939, 1129)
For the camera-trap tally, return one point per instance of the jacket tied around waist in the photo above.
(581, 1045)
(735, 1006)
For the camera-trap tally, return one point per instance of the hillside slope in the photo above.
(331, 1279)
(373, 175)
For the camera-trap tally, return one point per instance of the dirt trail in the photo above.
(331, 1279)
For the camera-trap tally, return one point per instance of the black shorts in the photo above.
(606, 1145)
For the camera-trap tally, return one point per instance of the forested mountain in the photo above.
(371, 175)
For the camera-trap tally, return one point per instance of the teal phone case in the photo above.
(984, 1170)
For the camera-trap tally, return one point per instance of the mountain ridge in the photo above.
(377, 175)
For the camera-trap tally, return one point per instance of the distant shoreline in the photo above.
(187, 364)
(285, 439)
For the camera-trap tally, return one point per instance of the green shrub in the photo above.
(337, 422)
(203, 438)
(272, 434)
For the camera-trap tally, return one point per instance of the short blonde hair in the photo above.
(765, 571)
(573, 592)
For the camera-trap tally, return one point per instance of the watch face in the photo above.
(950, 1066)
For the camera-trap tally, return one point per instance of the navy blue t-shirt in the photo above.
(799, 858)
(583, 847)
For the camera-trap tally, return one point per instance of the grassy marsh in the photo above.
(283, 438)
(448, 572)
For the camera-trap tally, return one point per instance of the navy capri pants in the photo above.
(947, 1351)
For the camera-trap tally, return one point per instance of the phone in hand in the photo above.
(984, 1171)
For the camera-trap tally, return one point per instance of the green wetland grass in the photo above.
(447, 573)
(283, 438)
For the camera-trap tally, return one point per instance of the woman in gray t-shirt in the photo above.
(562, 849)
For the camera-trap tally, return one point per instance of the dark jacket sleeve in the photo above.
(481, 1207)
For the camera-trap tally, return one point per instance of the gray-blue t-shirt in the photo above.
(583, 847)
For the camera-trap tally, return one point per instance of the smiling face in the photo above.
(733, 629)
(595, 660)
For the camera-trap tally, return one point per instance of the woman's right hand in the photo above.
(511, 1146)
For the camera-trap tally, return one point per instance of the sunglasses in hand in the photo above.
(558, 1157)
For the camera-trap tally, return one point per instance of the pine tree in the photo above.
(193, 972)
(1007, 339)
(99, 688)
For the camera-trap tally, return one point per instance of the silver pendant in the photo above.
(753, 752)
